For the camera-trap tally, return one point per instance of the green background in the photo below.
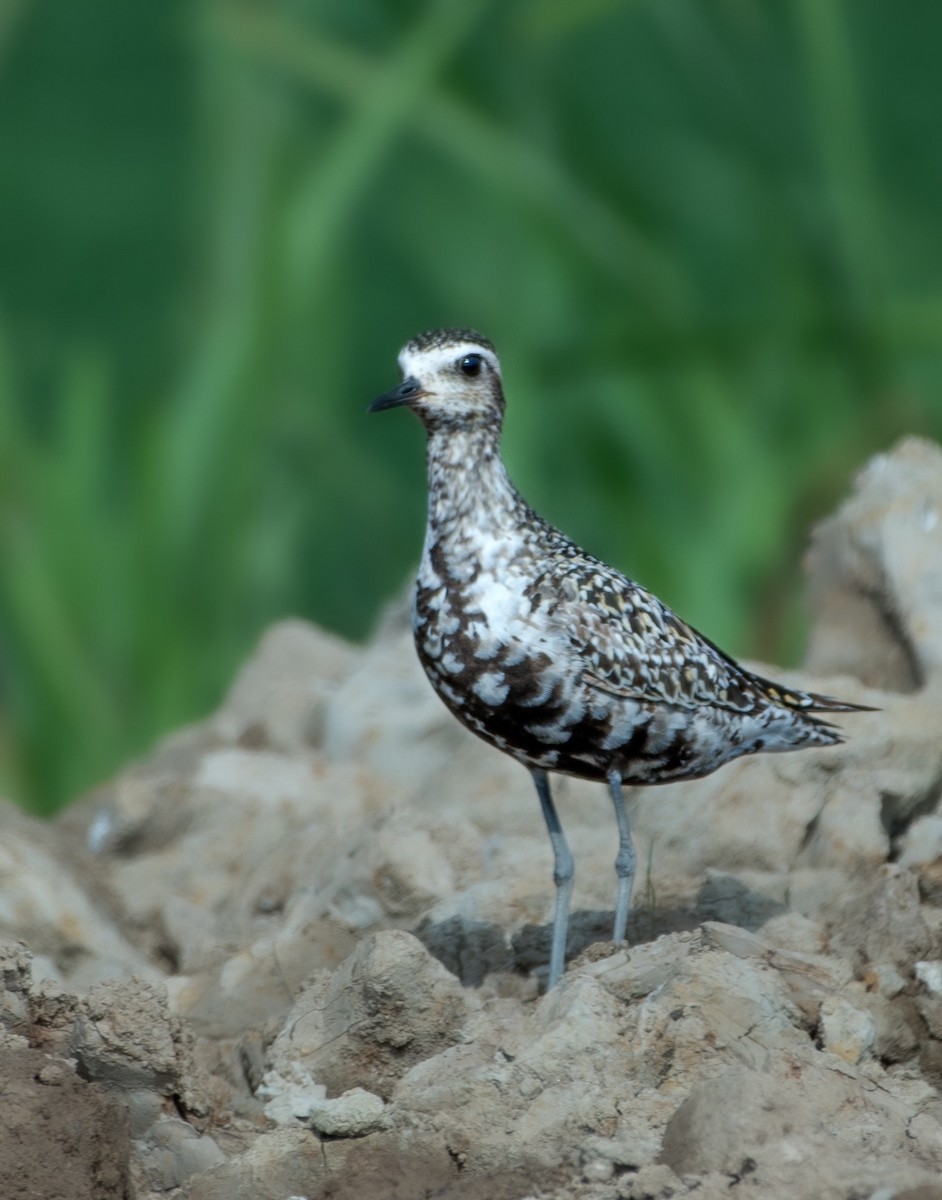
(704, 234)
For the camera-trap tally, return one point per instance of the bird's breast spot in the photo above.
(491, 688)
(513, 658)
(451, 663)
(663, 729)
(432, 648)
(599, 707)
(551, 735)
(546, 686)
(623, 727)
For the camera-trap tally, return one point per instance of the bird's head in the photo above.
(450, 380)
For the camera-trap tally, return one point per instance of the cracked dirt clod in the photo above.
(61, 1138)
(387, 1007)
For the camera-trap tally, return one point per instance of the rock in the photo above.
(922, 1191)
(872, 569)
(509, 1096)
(251, 814)
(292, 1098)
(276, 822)
(874, 587)
(885, 979)
(124, 1035)
(388, 1006)
(846, 1031)
(175, 1152)
(278, 1165)
(930, 1008)
(15, 980)
(929, 875)
(409, 872)
(882, 922)
(353, 1114)
(61, 1137)
(809, 979)
(749, 1122)
(930, 974)
(48, 900)
(385, 714)
(922, 842)
(280, 697)
(655, 1182)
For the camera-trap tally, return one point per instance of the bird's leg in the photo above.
(625, 859)
(562, 875)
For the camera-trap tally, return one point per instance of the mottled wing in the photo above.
(634, 646)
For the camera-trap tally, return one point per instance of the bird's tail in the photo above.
(810, 702)
(807, 727)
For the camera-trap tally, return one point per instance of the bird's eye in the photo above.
(470, 365)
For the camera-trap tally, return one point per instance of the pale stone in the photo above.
(846, 1031)
(353, 1114)
(930, 974)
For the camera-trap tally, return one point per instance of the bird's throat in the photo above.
(468, 482)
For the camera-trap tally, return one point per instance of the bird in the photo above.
(549, 654)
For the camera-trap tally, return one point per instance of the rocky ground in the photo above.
(297, 952)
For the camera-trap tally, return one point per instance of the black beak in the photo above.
(405, 393)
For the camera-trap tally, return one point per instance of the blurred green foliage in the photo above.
(703, 233)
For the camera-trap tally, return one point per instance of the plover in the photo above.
(549, 654)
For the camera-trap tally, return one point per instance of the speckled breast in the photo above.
(521, 697)
(509, 690)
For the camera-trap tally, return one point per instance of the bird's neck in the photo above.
(468, 486)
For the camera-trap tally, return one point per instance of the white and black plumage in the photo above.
(546, 652)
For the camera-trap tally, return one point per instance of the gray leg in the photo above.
(625, 860)
(562, 875)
